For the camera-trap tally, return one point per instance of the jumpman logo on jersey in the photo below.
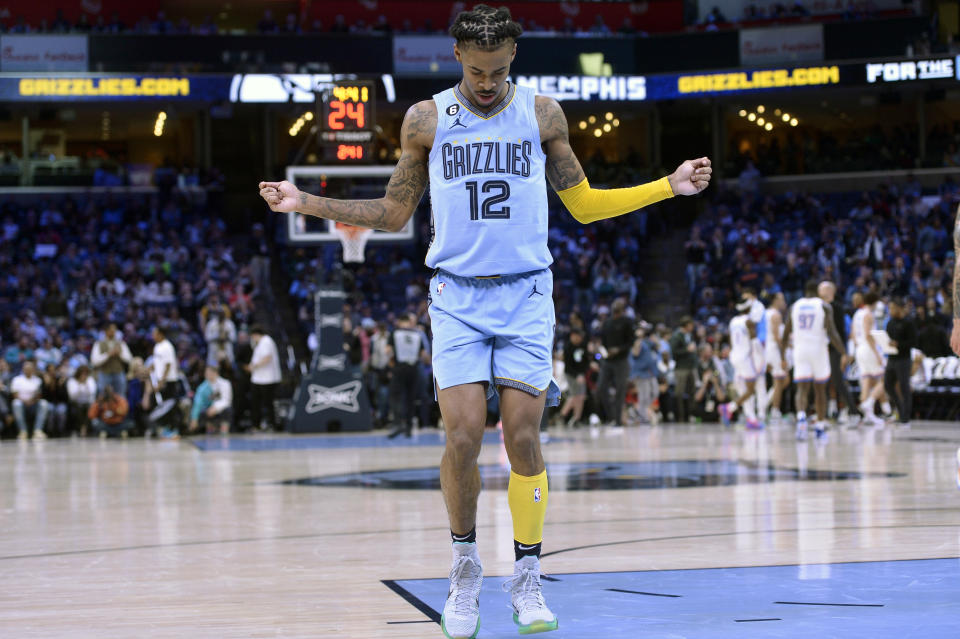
(534, 291)
(457, 122)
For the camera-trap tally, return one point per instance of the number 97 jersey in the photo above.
(811, 358)
(488, 192)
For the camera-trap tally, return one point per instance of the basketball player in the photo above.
(811, 324)
(758, 317)
(745, 373)
(869, 359)
(487, 147)
(774, 316)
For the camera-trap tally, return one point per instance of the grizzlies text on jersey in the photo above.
(487, 187)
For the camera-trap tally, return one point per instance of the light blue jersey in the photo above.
(487, 187)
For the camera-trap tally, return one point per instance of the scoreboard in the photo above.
(347, 121)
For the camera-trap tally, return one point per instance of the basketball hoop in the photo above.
(354, 241)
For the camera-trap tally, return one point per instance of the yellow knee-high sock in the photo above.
(527, 497)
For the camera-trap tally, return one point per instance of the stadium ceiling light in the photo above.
(616, 122)
(592, 119)
(760, 121)
(743, 113)
(768, 126)
(794, 122)
(597, 133)
(583, 125)
(777, 112)
(752, 117)
(760, 109)
(786, 117)
(607, 128)
(608, 116)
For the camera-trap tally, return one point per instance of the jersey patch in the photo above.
(453, 109)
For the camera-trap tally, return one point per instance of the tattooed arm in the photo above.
(406, 186)
(955, 334)
(563, 168)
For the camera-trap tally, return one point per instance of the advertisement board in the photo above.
(800, 43)
(414, 54)
(113, 88)
(43, 53)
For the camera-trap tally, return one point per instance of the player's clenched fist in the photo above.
(281, 197)
(691, 177)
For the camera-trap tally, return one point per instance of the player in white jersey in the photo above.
(869, 359)
(776, 366)
(749, 362)
(745, 371)
(488, 147)
(810, 323)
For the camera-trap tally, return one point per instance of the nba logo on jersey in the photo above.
(440, 287)
(536, 495)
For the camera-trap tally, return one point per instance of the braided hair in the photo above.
(485, 27)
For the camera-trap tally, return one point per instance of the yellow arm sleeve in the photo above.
(589, 205)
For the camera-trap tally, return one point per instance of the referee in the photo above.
(407, 343)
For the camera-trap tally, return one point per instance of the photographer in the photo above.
(710, 391)
(108, 415)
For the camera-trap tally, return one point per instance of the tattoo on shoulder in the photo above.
(420, 122)
(408, 181)
(562, 167)
(551, 120)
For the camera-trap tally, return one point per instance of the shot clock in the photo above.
(347, 121)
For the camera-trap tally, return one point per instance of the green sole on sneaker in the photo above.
(536, 626)
(443, 626)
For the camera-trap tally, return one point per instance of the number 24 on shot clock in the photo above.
(347, 108)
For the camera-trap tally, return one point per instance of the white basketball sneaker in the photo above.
(530, 612)
(461, 613)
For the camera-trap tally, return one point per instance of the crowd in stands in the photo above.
(292, 23)
(90, 286)
(875, 148)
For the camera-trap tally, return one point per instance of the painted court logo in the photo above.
(536, 495)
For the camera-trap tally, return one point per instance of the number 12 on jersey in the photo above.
(499, 191)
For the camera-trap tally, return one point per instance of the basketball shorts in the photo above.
(811, 364)
(868, 361)
(497, 330)
(744, 366)
(775, 362)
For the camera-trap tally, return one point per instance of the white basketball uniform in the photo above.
(772, 347)
(811, 358)
(868, 359)
(741, 350)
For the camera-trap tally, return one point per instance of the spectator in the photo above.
(684, 349)
(896, 378)
(108, 414)
(55, 394)
(212, 404)
(617, 336)
(110, 359)
(576, 363)
(81, 392)
(221, 336)
(166, 367)
(265, 375)
(6, 416)
(643, 373)
(378, 374)
(28, 403)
